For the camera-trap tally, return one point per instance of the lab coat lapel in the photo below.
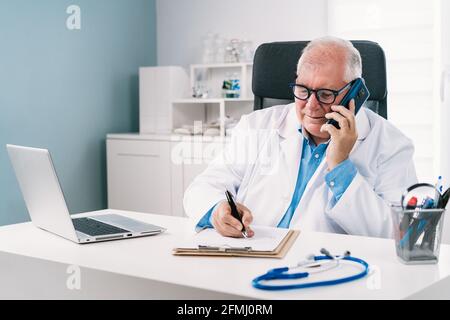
(316, 179)
(290, 146)
(362, 126)
(291, 150)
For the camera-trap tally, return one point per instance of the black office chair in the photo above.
(275, 66)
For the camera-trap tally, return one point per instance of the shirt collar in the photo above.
(308, 139)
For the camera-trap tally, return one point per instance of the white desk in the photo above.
(34, 264)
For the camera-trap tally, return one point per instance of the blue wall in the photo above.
(65, 90)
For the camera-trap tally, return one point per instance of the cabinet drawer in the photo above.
(139, 176)
(134, 148)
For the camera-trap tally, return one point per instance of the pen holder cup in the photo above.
(418, 234)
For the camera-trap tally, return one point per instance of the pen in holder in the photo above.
(418, 223)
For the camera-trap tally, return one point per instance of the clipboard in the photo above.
(279, 252)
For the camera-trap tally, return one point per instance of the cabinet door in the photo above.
(139, 176)
(190, 163)
(184, 174)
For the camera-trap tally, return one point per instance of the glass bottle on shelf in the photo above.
(247, 51)
(200, 87)
(231, 87)
(233, 51)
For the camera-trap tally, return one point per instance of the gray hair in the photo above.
(353, 68)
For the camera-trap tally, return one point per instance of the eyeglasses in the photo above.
(325, 96)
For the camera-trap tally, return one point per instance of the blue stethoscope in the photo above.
(315, 264)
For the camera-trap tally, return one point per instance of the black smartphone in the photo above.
(359, 92)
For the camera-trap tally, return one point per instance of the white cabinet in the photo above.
(191, 157)
(182, 175)
(149, 173)
(158, 86)
(139, 175)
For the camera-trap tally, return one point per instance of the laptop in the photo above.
(48, 210)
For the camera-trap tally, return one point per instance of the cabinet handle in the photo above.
(138, 155)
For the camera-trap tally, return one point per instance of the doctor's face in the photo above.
(318, 75)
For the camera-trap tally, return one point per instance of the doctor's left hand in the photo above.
(343, 139)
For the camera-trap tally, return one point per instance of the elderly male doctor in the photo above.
(321, 178)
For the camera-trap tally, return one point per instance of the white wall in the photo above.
(181, 24)
(444, 101)
(443, 61)
(405, 31)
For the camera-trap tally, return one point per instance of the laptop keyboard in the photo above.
(95, 228)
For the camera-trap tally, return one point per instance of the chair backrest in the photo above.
(275, 66)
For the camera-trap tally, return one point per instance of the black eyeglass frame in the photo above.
(335, 93)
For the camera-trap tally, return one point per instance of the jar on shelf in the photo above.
(247, 51)
(233, 51)
(231, 87)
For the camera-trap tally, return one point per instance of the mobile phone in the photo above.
(359, 92)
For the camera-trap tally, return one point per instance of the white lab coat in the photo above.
(265, 181)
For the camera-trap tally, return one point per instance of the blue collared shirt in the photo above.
(337, 180)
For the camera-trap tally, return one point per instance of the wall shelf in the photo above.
(187, 111)
(222, 65)
(215, 75)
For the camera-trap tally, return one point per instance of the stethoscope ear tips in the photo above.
(328, 254)
(325, 252)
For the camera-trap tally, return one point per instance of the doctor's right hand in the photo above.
(229, 226)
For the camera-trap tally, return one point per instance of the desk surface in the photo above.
(151, 258)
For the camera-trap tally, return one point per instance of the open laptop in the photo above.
(48, 210)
